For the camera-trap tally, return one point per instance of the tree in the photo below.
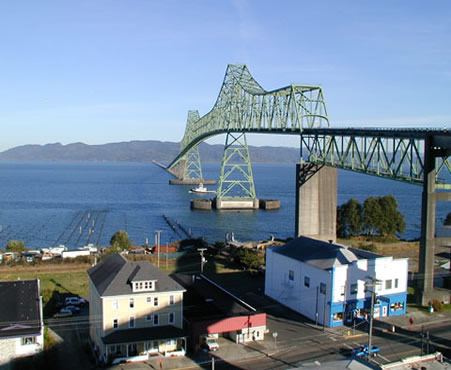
(372, 215)
(392, 220)
(120, 241)
(250, 258)
(447, 221)
(349, 218)
(16, 246)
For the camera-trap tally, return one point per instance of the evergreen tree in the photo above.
(120, 240)
(372, 215)
(349, 218)
(392, 221)
(16, 246)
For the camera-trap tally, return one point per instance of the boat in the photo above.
(201, 189)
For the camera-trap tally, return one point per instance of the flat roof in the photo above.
(203, 299)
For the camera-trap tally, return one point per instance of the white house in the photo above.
(326, 282)
(21, 324)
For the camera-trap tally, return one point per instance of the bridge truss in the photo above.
(417, 156)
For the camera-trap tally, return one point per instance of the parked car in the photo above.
(363, 351)
(64, 312)
(74, 301)
(209, 344)
(74, 309)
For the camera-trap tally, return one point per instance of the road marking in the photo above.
(357, 344)
(332, 339)
(383, 358)
(347, 345)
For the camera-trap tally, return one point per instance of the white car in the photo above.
(74, 301)
(210, 344)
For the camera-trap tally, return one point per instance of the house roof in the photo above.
(321, 254)
(144, 334)
(206, 300)
(114, 274)
(21, 308)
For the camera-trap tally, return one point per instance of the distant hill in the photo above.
(137, 151)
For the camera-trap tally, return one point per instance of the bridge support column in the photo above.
(428, 241)
(316, 201)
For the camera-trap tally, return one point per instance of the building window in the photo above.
(150, 285)
(115, 304)
(28, 340)
(131, 303)
(131, 322)
(146, 285)
(307, 281)
(387, 284)
(291, 275)
(354, 288)
(156, 319)
(115, 323)
(140, 285)
(149, 299)
(398, 306)
(171, 342)
(322, 288)
(149, 317)
(338, 316)
(171, 317)
(396, 283)
(155, 301)
(171, 300)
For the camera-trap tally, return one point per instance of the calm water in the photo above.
(78, 203)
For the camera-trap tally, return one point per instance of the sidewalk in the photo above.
(415, 318)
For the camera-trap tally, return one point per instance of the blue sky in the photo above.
(98, 71)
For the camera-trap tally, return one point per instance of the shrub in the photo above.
(437, 305)
(368, 247)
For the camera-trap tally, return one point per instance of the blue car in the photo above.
(363, 351)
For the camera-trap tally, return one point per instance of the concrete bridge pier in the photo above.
(316, 201)
(429, 243)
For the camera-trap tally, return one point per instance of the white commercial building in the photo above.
(326, 282)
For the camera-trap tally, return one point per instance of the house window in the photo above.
(156, 319)
(115, 304)
(149, 299)
(131, 302)
(150, 285)
(322, 288)
(171, 342)
(291, 275)
(387, 284)
(140, 285)
(396, 283)
(171, 317)
(115, 323)
(307, 281)
(131, 322)
(28, 340)
(354, 288)
(171, 300)
(155, 301)
(146, 285)
(149, 317)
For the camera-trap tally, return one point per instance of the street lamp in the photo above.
(373, 284)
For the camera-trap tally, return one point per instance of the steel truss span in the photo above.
(243, 106)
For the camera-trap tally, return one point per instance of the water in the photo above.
(46, 204)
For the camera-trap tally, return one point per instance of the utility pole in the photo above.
(202, 259)
(158, 246)
(373, 284)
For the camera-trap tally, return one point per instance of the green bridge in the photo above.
(419, 156)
